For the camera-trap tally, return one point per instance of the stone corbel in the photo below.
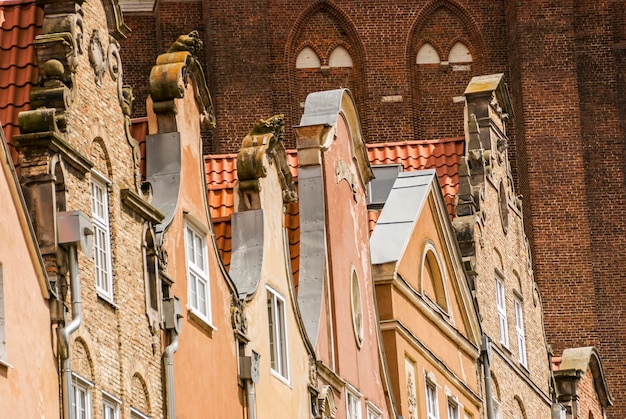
(265, 139)
(60, 47)
(39, 129)
(170, 76)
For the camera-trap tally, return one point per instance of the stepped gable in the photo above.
(20, 22)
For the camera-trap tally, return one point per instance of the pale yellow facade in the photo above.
(428, 320)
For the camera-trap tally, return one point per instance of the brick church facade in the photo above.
(407, 64)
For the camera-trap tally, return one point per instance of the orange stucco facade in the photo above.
(28, 368)
(205, 362)
(282, 389)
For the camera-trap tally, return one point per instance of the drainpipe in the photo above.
(64, 333)
(251, 400)
(172, 315)
(485, 350)
(74, 229)
(249, 373)
(170, 350)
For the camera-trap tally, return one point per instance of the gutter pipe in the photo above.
(168, 357)
(485, 354)
(64, 333)
(251, 400)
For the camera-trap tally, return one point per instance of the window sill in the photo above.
(506, 348)
(107, 300)
(4, 364)
(200, 321)
(280, 378)
(524, 367)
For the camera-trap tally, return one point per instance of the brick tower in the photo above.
(407, 64)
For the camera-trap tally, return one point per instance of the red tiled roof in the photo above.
(441, 155)
(221, 175)
(20, 22)
(221, 172)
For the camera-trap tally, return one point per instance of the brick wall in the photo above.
(569, 129)
(562, 62)
(114, 342)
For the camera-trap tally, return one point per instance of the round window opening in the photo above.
(357, 310)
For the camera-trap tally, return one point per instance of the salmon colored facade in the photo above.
(201, 369)
(28, 367)
(335, 289)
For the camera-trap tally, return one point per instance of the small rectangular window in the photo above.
(521, 335)
(81, 400)
(102, 236)
(110, 407)
(453, 409)
(277, 324)
(502, 319)
(353, 405)
(432, 407)
(199, 293)
(373, 412)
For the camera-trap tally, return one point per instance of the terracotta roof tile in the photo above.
(442, 155)
(20, 22)
(221, 175)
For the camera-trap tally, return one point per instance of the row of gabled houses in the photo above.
(141, 279)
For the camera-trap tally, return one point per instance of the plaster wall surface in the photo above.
(207, 351)
(278, 396)
(28, 373)
(347, 238)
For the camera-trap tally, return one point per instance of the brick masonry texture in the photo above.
(561, 61)
(114, 345)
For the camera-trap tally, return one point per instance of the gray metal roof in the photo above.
(322, 108)
(396, 222)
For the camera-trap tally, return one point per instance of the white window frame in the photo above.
(111, 406)
(81, 386)
(521, 333)
(502, 317)
(136, 414)
(373, 412)
(278, 334)
(497, 413)
(197, 273)
(353, 404)
(103, 261)
(454, 408)
(432, 403)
